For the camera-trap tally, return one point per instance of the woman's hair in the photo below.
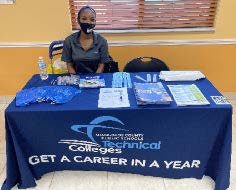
(86, 8)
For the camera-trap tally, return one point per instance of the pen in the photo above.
(138, 77)
(121, 96)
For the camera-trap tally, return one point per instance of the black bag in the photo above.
(111, 66)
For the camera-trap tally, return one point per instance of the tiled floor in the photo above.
(81, 180)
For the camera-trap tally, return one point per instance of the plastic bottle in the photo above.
(42, 68)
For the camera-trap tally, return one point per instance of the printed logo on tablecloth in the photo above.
(96, 124)
(109, 142)
(106, 135)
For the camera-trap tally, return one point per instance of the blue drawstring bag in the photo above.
(53, 94)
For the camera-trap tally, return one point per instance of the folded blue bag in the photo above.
(53, 94)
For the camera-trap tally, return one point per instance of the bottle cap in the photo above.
(40, 57)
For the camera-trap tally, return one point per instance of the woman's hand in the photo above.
(100, 68)
(70, 68)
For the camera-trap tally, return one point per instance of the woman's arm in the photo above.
(70, 68)
(67, 54)
(100, 68)
(104, 56)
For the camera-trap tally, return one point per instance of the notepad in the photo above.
(113, 98)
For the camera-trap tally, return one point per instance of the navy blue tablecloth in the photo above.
(158, 140)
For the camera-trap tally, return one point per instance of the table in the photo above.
(158, 140)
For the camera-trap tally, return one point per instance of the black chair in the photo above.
(111, 66)
(145, 64)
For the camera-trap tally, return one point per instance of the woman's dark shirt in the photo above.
(85, 61)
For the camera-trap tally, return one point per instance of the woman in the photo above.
(85, 51)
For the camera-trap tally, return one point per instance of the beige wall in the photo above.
(33, 21)
(217, 62)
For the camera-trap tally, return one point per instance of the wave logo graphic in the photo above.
(96, 123)
(79, 143)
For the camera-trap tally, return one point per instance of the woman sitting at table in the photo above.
(85, 51)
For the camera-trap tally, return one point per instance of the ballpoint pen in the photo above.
(121, 98)
(138, 77)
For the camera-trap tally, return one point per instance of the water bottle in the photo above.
(42, 68)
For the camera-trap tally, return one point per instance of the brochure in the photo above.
(151, 93)
(186, 95)
(91, 82)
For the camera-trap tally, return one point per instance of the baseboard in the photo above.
(132, 43)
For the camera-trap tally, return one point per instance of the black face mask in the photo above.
(86, 27)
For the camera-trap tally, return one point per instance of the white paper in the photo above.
(181, 75)
(113, 98)
(185, 95)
